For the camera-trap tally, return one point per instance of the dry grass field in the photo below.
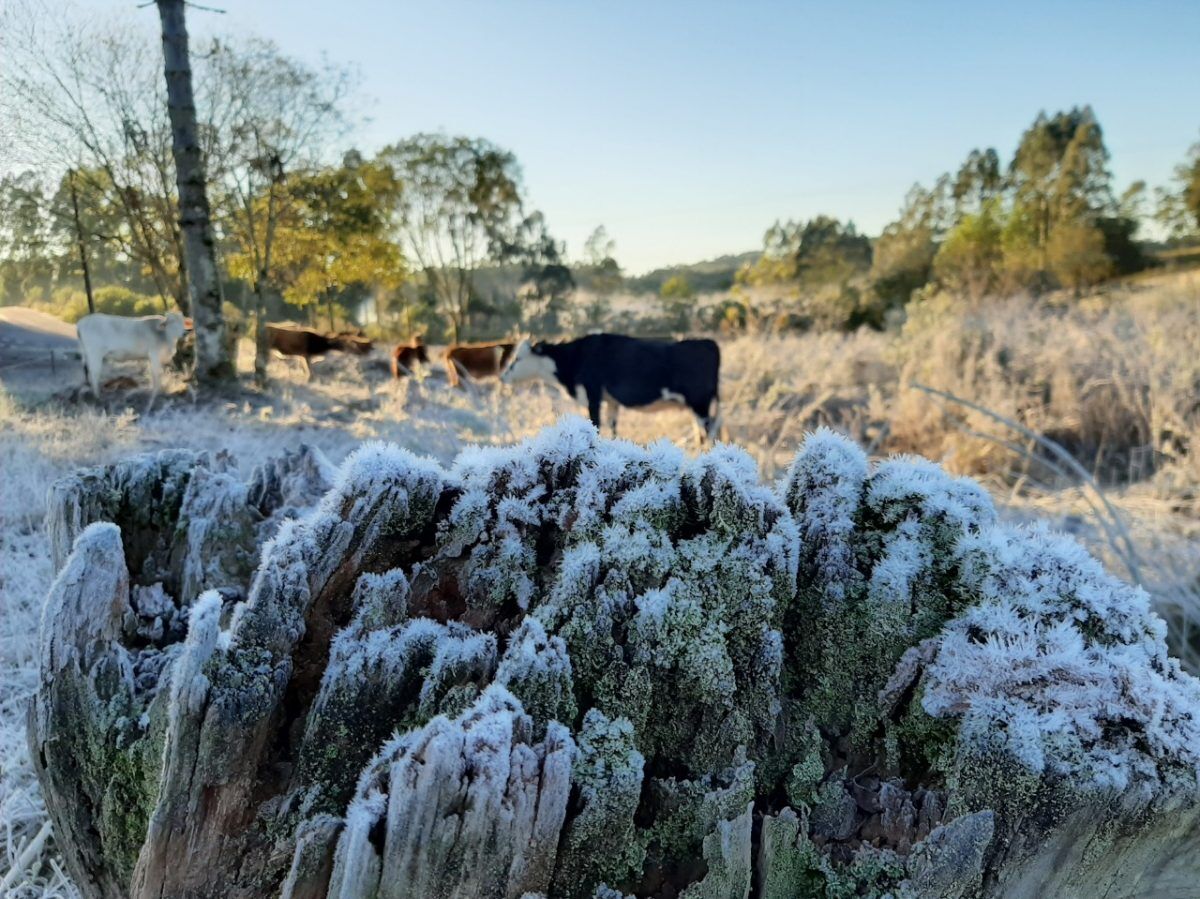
(1086, 413)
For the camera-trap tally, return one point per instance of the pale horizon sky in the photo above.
(688, 128)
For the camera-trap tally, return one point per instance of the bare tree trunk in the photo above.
(181, 300)
(213, 363)
(83, 260)
(262, 348)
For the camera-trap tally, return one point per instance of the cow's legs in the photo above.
(466, 379)
(304, 363)
(155, 381)
(714, 424)
(708, 421)
(93, 364)
(594, 398)
(611, 408)
(155, 375)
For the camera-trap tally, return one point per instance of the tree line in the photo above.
(1051, 218)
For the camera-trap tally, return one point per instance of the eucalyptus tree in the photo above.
(27, 240)
(460, 207)
(1179, 205)
(1059, 175)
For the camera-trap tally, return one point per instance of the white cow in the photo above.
(150, 337)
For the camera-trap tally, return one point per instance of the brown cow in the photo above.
(405, 356)
(305, 343)
(476, 360)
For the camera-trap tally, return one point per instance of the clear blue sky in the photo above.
(688, 127)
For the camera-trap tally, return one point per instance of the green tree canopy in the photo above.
(979, 179)
(29, 255)
(546, 279)
(677, 288)
(1077, 256)
(599, 269)
(1060, 172)
(969, 259)
(991, 227)
(903, 255)
(334, 232)
(819, 251)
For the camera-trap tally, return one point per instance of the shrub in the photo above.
(70, 304)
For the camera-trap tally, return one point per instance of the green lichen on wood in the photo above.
(688, 811)
(119, 764)
(806, 774)
(602, 842)
(537, 670)
(877, 576)
(789, 863)
(860, 673)
(727, 852)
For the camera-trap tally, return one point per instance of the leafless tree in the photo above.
(271, 116)
(80, 94)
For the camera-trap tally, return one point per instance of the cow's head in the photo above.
(529, 363)
(173, 325)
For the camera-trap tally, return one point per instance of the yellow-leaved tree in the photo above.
(336, 233)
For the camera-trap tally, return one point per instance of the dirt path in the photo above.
(39, 354)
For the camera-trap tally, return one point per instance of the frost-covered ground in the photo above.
(773, 390)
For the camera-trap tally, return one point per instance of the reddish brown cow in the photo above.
(405, 356)
(477, 360)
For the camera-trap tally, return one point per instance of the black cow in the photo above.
(627, 371)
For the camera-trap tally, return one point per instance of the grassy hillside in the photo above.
(709, 276)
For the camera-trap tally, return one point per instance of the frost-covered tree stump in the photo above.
(582, 668)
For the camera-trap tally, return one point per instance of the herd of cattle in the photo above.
(601, 371)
